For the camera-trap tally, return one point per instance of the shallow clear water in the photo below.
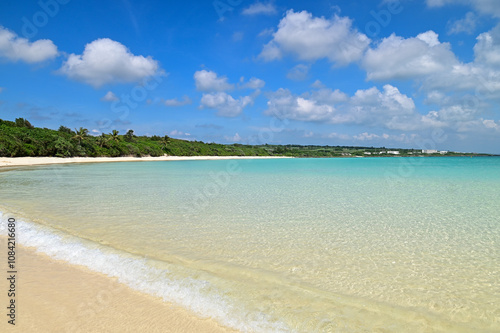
(307, 245)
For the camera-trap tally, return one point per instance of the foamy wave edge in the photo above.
(195, 295)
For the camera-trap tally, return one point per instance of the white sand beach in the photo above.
(29, 161)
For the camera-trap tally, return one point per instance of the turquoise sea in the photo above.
(281, 245)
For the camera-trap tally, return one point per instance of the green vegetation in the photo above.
(20, 138)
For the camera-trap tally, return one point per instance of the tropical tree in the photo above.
(21, 122)
(114, 136)
(129, 136)
(63, 147)
(165, 141)
(102, 140)
(64, 129)
(81, 134)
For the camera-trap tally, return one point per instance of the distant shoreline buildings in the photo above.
(434, 151)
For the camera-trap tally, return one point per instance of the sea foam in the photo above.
(140, 273)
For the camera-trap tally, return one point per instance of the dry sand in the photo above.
(53, 296)
(27, 161)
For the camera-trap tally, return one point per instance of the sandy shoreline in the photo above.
(53, 296)
(28, 161)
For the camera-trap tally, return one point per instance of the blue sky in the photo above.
(421, 74)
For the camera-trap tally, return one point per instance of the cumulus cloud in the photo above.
(176, 102)
(208, 81)
(487, 48)
(481, 78)
(253, 83)
(260, 8)
(15, 48)
(465, 118)
(388, 108)
(109, 97)
(466, 25)
(399, 58)
(327, 96)
(283, 104)
(225, 104)
(311, 38)
(106, 61)
(433, 66)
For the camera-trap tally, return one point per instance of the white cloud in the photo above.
(253, 83)
(466, 25)
(260, 8)
(489, 123)
(209, 81)
(15, 48)
(178, 133)
(175, 102)
(457, 114)
(106, 61)
(109, 97)
(487, 48)
(234, 138)
(436, 68)
(327, 96)
(225, 104)
(399, 58)
(298, 73)
(371, 107)
(318, 84)
(311, 38)
(366, 136)
(388, 108)
(283, 104)
(480, 78)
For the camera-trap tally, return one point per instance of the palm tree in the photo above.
(102, 140)
(81, 134)
(114, 136)
(165, 141)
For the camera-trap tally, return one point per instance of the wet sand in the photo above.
(53, 296)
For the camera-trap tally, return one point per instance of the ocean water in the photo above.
(281, 245)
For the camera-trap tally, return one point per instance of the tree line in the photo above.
(19, 138)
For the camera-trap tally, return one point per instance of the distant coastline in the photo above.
(20, 139)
